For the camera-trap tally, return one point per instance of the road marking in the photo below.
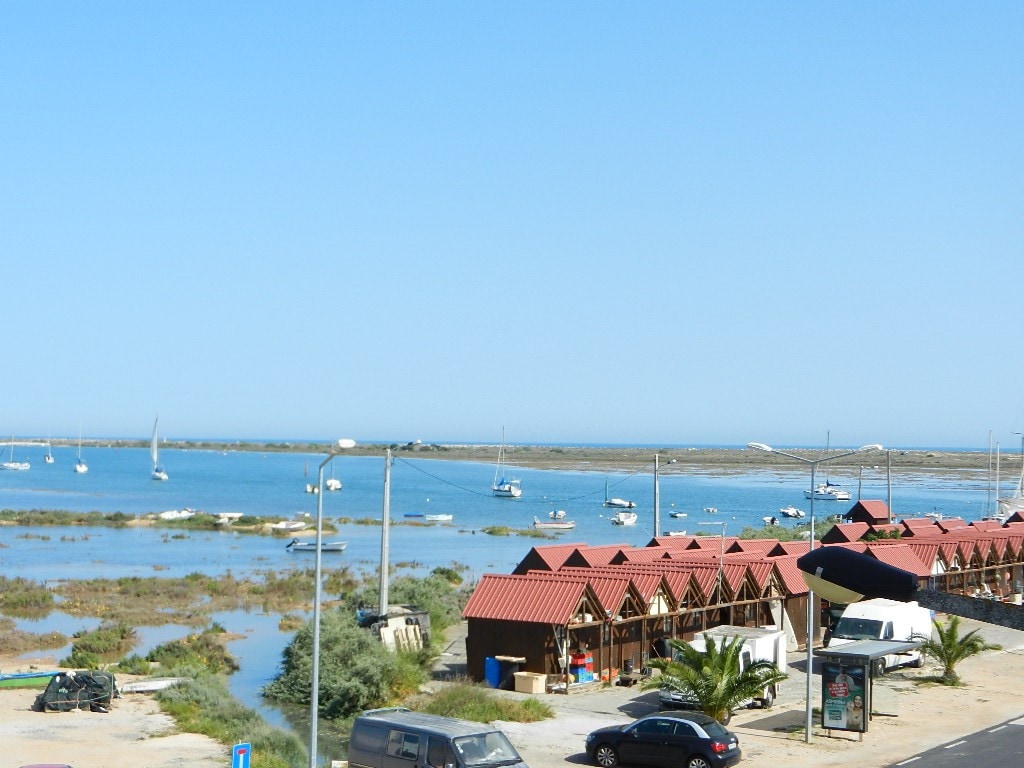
(909, 760)
(955, 744)
(997, 728)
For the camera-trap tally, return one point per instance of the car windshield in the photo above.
(858, 629)
(486, 749)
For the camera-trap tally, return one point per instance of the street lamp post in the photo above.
(810, 593)
(721, 561)
(657, 497)
(314, 694)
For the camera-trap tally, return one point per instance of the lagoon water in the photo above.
(273, 485)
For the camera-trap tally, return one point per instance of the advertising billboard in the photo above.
(844, 700)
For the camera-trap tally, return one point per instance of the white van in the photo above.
(882, 619)
(400, 738)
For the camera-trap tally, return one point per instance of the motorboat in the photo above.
(554, 525)
(675, 533)
(438, 518)
(332, 484)
(288, 525)
(711, 510)
(791, 511)
(624, 518)
(827, 492)
(677, 514)
(770, 521)
(310, 546)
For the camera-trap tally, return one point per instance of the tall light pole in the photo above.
(810, 593)
(314, 694)
(657, 497)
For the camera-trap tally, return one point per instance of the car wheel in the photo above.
(918, 662)
(606, 756)
(768, 700)
(878, 667)
(698, 761)
(724, 720)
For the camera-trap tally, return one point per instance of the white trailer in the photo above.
(759, 644)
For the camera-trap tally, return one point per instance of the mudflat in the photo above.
(721, 461)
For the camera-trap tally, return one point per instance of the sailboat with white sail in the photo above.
(159, 473)
(16, 466)
(504, 485)
(80, 466)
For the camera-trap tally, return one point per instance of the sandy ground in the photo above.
(133, 733)
(918, 715)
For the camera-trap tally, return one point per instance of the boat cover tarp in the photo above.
(77, 690)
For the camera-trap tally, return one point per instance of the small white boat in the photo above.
(675, 533)
(176, 514)
(151, 685)
(80, 466)
(503, 485)
(12, 465)
(770, 521)
(331, 484)
(711, 510)
(48, 458)
(677, 514)
(828, 492)
(791, 511)
(288, 525)
(311, 488)
(227, 518)
(624, 518)
(438, 518)
(310, 546)
(555, 525)
(556, 514)
(620, 503)
(159, 473)
(615, 502)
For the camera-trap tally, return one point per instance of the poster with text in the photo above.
(843, 697)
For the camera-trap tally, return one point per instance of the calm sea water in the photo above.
(273, 485)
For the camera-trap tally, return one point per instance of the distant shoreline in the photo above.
(633, 459)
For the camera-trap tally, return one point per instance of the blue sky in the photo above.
(653, 223)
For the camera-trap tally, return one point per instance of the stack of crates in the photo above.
(581, 667)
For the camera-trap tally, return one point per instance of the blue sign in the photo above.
(240, 755)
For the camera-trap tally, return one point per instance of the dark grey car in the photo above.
(690, 740)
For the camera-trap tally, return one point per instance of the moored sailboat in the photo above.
(159, 473)
(504, 485)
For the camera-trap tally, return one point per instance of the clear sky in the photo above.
(653, 222)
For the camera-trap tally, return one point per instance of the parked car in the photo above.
(692, 740)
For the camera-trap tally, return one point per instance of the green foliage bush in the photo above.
(356, 671)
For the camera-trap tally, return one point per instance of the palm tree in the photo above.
(950, 648)
(714, 678)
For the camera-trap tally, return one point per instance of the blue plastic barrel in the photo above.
(492, 672)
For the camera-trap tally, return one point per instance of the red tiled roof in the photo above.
(845, 532)
(594, 555)
(672, 542)
(533, 598)
(948, 524)
(549, 557)
(918, 526)
(762, 546)
(900, 556)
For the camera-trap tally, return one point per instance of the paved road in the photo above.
(1002, 745)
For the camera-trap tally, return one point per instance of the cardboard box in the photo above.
(530, 682)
